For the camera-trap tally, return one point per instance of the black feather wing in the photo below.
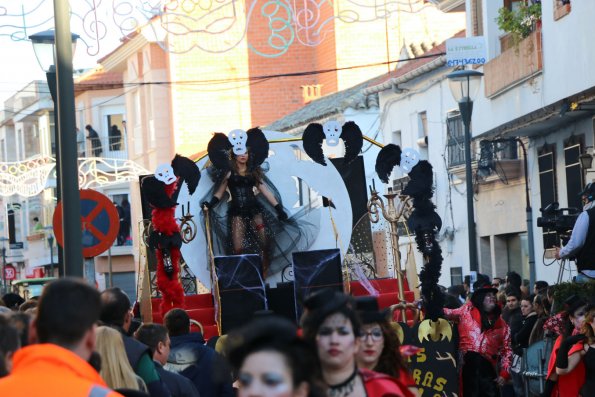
(312, 141)
(154, 192)
(218, 149)
(389, 156)
(258, 147)
(187, 170)
(354, 140)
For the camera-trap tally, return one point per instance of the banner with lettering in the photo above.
(434, 366)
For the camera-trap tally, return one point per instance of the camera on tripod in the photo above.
(560, 220)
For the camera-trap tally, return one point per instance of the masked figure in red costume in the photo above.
(484, 342)
(161, 191)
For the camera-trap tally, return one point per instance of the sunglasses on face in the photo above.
(375, 334)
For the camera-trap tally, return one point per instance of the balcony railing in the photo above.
(107, 147)
(514, 65)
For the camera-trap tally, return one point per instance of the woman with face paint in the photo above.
(270, 360)
(332, 328)
(563, 380)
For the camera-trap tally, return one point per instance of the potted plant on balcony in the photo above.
(521, 22)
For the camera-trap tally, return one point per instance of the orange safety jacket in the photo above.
(51, 371)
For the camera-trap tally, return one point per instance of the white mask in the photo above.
(238, 140)
(332, 132)
(165, 174)
(409, 159)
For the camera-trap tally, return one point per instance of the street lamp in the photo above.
(586, 160)
(4, 240)
(464, 85)
(60, 49)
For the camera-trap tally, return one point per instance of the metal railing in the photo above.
(106, 146)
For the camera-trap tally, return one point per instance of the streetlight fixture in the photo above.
(586, 159)
(464, 85)
(57, 45)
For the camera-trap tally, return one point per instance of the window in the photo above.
(561, 8)
(477, 17)
(547, 183)
(115, 128)
(456, 275)
(311, 92)
(574, 175)
(122, 204)
(456, 139)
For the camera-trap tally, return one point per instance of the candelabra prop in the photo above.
(392, 212)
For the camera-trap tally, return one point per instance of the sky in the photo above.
(21, 18)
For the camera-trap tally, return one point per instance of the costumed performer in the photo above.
(562, 379)
(254, 220)
(332, 329)
(161, 191)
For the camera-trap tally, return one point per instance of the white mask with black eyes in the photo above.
(165, 174)
(332, 132)
(409, 159)
(238, 140)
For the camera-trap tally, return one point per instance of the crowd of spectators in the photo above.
(76, 341)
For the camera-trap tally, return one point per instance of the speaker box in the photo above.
(281, 300)
(241, 289)
(314, 270)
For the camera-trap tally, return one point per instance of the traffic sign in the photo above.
(100, 222)
(10, 273)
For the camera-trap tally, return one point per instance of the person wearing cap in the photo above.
(379, 346)
(582, 240)
(561, 380)
(484, 342)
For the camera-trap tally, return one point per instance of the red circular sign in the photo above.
(10, 273)
(100, 222)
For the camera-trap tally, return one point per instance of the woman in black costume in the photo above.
(254, 220)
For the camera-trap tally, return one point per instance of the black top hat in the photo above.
(324, 297)
(482, 287)
(368, 311)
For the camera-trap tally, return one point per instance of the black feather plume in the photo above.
(312, 141)
(154, 192)
(219, 148)
(389, 156)
(426, 223)
(258, 147)
(354, 140)
(186, 169)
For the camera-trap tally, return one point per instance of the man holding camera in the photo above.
(582, 241)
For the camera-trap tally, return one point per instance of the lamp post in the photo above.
(464, 85)
(4, 240)
(56, 49)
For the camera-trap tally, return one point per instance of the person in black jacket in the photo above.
(520, 341)
(191, 358)
(93, 136)
(155, 336)
(581, 245)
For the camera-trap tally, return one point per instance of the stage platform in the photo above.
(200, 307)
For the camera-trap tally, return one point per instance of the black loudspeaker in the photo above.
(241, 289)
(314, 270)
(281, 300)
